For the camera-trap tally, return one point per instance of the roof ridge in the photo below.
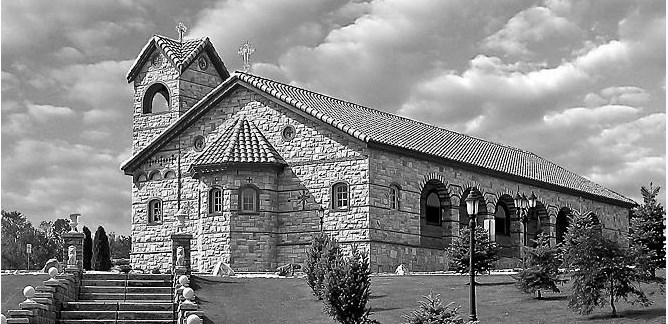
(388, 114)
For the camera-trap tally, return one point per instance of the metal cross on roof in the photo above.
(249, 179)
(245, 51)
(181, 29)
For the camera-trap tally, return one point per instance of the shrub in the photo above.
(646, 235)
(319, 257)
(432, 311)
(101, 260)
(87, 249)
(542, 267)
(485, 254)
(603, 269)
(347, 288)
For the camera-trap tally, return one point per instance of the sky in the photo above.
(580, 83)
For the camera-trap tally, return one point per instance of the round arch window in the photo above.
(156, 99)
(202, 63)
(288, 133)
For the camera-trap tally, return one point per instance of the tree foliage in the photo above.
(485, 251)
(603, 272)
(120, 246)
(17, 232)
(347, 288)
(432, 311)
(542, 267)
(646, 234)
(319, 259)
(101, 260)
(87, 249)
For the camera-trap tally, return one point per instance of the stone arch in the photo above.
(432, 176)
(434, 207)
(149, 104)
(561, 224)
(537, 222)
(506, 230)
(154, 175)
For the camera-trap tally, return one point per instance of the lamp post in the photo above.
(523, 205)
(321, 213)
(472, 209)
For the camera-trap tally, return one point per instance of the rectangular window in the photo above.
(215, 200)
(341, 196)
(394, 201)
(248, 200)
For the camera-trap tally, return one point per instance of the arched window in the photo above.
(154, 211)
(170, 174)
(340, 199)
(248, 199)
(502, 220)
(155, 175)
(153, 102)
(562, 224)
(394, 197)
(215, 200)
(433, 209)
(141, 177)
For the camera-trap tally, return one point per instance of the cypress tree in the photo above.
(101, 256)
(87, 249)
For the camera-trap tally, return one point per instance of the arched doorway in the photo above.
(504, 217)
(562, 222)
(434, 201)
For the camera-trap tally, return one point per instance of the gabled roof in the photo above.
(392, 132)
(242, 142)
(179, 54)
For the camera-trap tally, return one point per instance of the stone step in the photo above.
(121, 315)
(108, 321)
(145, 315)
(124, 296)
(132, 276)
(123, 289)
(130, 283)
(120, 305)
(89, 314)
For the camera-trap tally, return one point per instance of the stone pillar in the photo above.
(74, 239)
(183, 241)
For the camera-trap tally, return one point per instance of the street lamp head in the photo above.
(532, 200)
(518, 200)
(472, 204)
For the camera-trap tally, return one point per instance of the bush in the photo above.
(646, 235)
(87, 249)
(101, 260)
(542, 267)
(319, 257)
(603, 269)
(432, 311)
(347, 288)
(485, 254)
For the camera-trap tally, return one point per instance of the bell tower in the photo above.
(169, 77)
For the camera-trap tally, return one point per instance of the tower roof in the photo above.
(179, 54)
(242, 142)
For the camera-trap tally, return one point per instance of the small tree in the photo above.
(323, 251)
(432, 311)
(485, 253)
(603, 271)
(542, 267)
(646, 235)
(101, 260)
(87, 249)
(347, 288)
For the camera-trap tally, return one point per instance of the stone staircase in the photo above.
(120, 298)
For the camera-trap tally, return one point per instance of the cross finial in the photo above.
(181, 29)
(245, 51)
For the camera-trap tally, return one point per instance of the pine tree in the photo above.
(485, 253)
(101, 260)
(646, 234)
(542, 267)
(87, 249)
(602, 269)
(319, 258)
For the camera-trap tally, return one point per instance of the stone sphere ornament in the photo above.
(194, 319)
(29, 293)
(53, 272)
(3, 319)
(184, 281)
(189, 294)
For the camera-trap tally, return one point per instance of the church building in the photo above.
(260, 166)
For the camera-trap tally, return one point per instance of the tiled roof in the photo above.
(370, 125)
(242, 142)
(180, 54)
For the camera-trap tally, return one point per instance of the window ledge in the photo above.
(248, 213)
(154, 223)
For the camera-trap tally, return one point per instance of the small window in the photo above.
(156, 99)
(288, 133)
(154, 211)
(202, 63)
(340, 193)
(394, 197)
(198, 143)
(170, 174)
(501, 220)
(249, 199)
(433, 209)
(215, 200)
(155, 175)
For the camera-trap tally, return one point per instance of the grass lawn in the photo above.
(11, 288)
(266, 300)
